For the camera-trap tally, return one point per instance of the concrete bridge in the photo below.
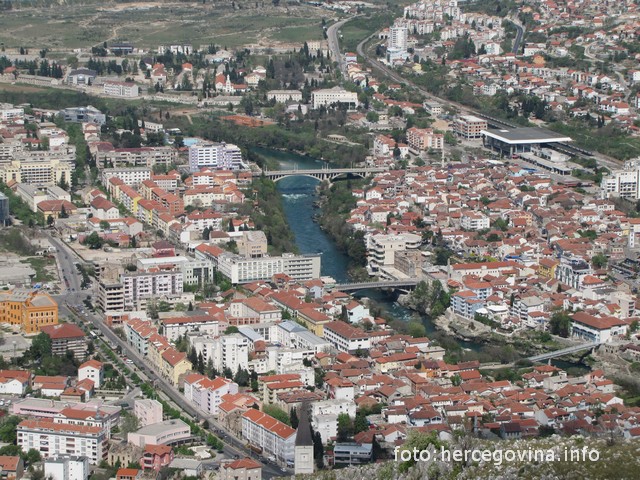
(351, 287)
(322, 174)
(564, 351)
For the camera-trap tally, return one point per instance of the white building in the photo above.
(52, 439)
(345, 337)
(206, 393)
(231, 351)
(66, 468)
(335, 95)
(274, 437)
(131, 176)
(284, 96)
(215, 155)
(398, 36)
(623, 183)
(239, 269)
(381, 248)
(120, 89)
(474, 221)
(175, 327)
(147, 411)
(139, 286)
(92, 370)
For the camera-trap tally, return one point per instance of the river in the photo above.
(298, 196)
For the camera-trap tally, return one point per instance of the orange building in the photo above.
(31, 310)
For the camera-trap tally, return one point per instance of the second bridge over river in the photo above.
(320, 174)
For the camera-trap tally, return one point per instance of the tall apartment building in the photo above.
(147, 411)
(623, 183)
(66, 337)
(381, 249)
(239, 269)
(29, 309)
(227, 351)
(469, 126)
(52, 439)
(37, 172)
(67, 468)
(252, 244)
(139, 286)
(216, 155)
(4, 210)
(335, 95)
(398, 36)
(206, 393)
(346, 338)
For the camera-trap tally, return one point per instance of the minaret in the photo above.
(303, 458)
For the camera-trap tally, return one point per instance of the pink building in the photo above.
(147, 411)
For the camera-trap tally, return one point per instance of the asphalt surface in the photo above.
(71, 303)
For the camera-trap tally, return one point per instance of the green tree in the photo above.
(293, 418)
(8, 428)
(345, 427)
(599, 261)
(277, 413)
(560, 323)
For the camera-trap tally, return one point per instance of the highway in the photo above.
(334, 43)
(72, 302)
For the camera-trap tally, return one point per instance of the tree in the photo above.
(293, 418)
(128, 423)
(8, 429)
(277, 413)
(104, 225)
(93, 241)
(50, 220)
(242, 377)
(560, 323)
(599, 261)
(231, 329)
(318, 450)
(360, 424)
(345, 427)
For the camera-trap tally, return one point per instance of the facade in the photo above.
(331, 96)
(117, 158)
(284, 96)
(421, 139)
(398, 36)
(14, 382)
(30, 309)
(4, 210)
(66, 467)
(345, 337)
(132, 176)
(92, 370)
(66, 337)
(11, 467)
(474, 221)
(52, 439)
(120, 89)
(37, 172)
(141, 286)
(596, 329)
(352, 453)
(215, 155)
(206, 393)
(241, 469)
(147, 411)
(274, 437)
(86, 114)
(239, 269)
(623, 183)
(469, 126)
(381, 249)
(169, 432)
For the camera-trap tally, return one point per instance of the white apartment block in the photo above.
(398, 36)
(206, 393)
(147, 411)
(284, 96)
(381, 248)
(36, 172)
(52, 439)
(144, 285)
(120, 89)
(216, 155)
(66, 468)
(330, 96)
(345, 337)
(274, 437)
(175, 327)
(11, 114)
(623, 183)
(136, 157)
(130, 176)
(239, 269)
(230, 351)
(474, 221)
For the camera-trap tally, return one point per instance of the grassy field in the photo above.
(360, 28)
(150, 24)
(41, 265)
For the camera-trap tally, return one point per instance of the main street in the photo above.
(71, 303)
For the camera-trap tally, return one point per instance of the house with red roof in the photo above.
(274, 437)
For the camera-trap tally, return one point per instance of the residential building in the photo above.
(32, 310)
(471, 220)
(381, 249)
(37, 172)
(274, 437)
(66, 467)
(346, 338)
(398, 36)
(207, 393)
(352, 453)
(52, 439)
(330, 96)
(596, 329)
(215, 155)
(86, 114)
(168, 432)
(11, 467)
(92, 370)
(147, 411)
(66, 337)
(239, 269)
(284, 96)
(142, 286)
(175, 327)
(623, 183)
(155, 457)
(4, 210)
(120, 89)
(469, 126)
(421, 139)
(116, 158)
(14, 382)
(241, 469)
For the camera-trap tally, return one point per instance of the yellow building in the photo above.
(169, 362)
(547, 268)
(313, 320)
(30, 309)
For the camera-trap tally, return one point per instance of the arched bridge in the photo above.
(323, 174)
(350, 287)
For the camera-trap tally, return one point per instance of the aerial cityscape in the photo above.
(246, 240)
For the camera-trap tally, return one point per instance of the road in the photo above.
(72, 304)
(519, 34)
(334, 43)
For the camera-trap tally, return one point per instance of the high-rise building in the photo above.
(398, 36)
(4, 209)
(215, 155)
